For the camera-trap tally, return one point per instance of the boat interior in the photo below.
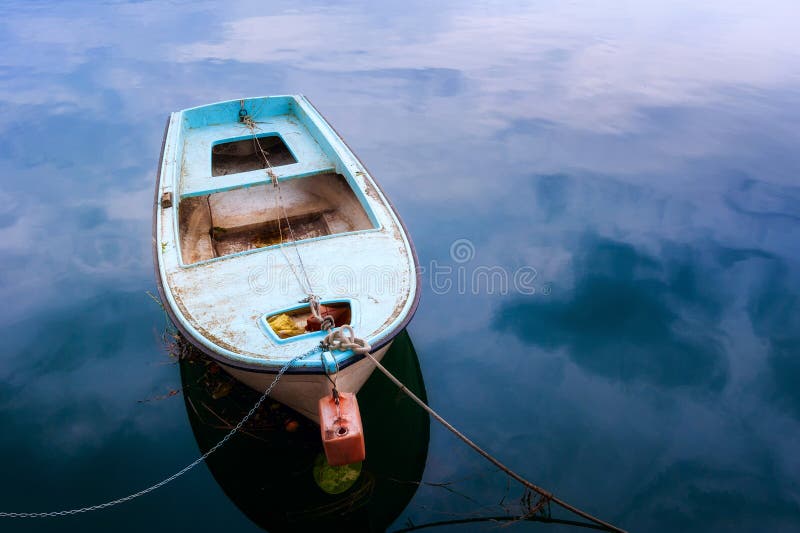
(229, 222)
(228, 201)
(299, 321)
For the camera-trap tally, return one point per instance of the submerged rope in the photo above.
(547, 495)
(345, 339)
(176, 475)
(341, 339)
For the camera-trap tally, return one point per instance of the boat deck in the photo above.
(197, 177)
(221, 270)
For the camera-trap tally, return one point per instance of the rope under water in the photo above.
(176, 475)
(344, 339)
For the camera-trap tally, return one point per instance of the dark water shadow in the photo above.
(688, 496)
(774, 310)
(74, 333)
(630, 316)
(271, 470)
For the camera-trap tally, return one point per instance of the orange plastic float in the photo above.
(342, 433)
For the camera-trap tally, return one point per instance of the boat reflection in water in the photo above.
(275, 470)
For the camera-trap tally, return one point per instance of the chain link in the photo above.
(231, 433)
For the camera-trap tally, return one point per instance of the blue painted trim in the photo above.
(304, 114)
(329, 362)
(221, 112)
(317, 134)
(260, 181)
(334, 139)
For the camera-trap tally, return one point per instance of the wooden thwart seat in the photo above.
(229, 222)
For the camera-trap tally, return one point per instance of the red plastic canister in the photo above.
(340, 316)
(342, 433)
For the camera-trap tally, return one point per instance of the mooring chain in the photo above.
(231, 433)
(341, 339)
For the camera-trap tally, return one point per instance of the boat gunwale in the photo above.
(268, 367)
(414, 257)
(348, 176)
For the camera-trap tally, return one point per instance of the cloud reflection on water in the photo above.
(626, 318)
(642, 157)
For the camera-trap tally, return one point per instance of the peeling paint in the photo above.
(217, 303)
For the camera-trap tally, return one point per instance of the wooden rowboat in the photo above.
(259, 204)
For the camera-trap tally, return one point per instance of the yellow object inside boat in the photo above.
(284, 326)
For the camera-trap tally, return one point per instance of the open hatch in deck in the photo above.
(243, 155)
(229, 222)
(300, 321)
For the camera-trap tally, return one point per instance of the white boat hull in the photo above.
(302, 392)
(239, 240)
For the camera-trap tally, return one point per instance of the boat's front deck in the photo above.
(222, 271)
(198, 169)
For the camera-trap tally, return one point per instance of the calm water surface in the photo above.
(605, 197)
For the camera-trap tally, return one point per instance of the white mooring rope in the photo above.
(341, 339)
(546, 495)
(344, 339)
